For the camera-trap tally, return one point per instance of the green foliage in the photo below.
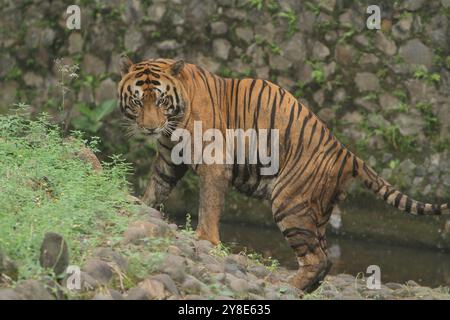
(347, 36)
(45, 187)
(312, 7)
(257, 4)
(393, 136)
(447, 62)
(400, 94)
(269, 262)
(422, 73)
(317, 73)
(274, 48)
(291, 18)
(431, 121)
(90, 119)
(221, 250)
(14, 73)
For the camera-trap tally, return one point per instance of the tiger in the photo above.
(160, 95)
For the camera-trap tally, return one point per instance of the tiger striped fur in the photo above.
(159, 95)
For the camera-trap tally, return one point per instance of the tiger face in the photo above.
(151, 95)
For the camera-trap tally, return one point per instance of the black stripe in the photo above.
(388, 193)
(355, 167)
(420, 208)
(408, 204)
(397, 199)
(288, 129)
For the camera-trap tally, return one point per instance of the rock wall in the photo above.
(384, 92)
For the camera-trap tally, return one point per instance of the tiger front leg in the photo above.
(214, 181)
(165, 176)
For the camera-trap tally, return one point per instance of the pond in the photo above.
(428, 267)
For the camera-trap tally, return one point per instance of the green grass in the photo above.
(45, 187)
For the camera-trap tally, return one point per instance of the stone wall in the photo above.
(367, 85)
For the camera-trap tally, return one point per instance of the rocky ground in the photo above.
(157, 260)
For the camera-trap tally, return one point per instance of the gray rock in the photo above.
(192, 285)
(92, 65)
(320, 51)
(412, 5)
(294, 50)
(174, 266)
(328, 5)
(215, 268)
(279, 62)
(108, 294)
(304, 75)
(366, 81)
(219, 28)
(203, 246)
(222, 297)
(388, 102)
(344, 54)
(394, 286)
(194, 297)
(169, 284)
(8, 268)
(54, 253)
(156, 11)
(33, 290)
(75, 43)
(401, 30)
(154, 289)
(326, 114)
(259, 271)
(186, 247)
(99, 270)
(239, 285)
(221, 48)
(384, 44)
(133, 40)
(245, 33)
(132, 13)
(137, 293)
(33, 80)
(109, 255)
(410, 124)
(139, 230)
(105, 91)
(416, 53)
(352, 19)
(9, 294)
(150, 212)
(169, 44)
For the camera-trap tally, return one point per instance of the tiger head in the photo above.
(151, 95)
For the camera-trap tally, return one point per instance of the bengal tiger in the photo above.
(159, 95)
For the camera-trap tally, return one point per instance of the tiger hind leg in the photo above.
(299, 225)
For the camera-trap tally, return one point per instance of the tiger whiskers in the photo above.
(131, 128)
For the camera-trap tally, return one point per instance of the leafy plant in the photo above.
(67, 72)
(257, 4)
(291, 18)
(317, 73)
(422, 73)
(44, 186)
(90, 119)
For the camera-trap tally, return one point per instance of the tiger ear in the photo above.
(176, 67)
(125, 64)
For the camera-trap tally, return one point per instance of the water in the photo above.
(397, 263)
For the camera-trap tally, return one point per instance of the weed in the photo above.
(291, 18)
(422, 73)
(45, 187)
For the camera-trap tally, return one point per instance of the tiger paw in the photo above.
(201, 235)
